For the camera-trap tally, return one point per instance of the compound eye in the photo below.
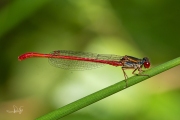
(147, 64)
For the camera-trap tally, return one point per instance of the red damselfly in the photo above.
(73, 60)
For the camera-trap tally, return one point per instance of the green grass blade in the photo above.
(90, 99)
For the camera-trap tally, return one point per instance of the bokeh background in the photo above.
(123, 27)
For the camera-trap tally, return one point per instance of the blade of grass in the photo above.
(83, 102)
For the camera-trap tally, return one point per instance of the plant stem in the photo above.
(92, 98)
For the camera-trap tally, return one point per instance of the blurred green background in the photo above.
(138, 28)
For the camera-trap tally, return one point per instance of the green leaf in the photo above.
(90, 99)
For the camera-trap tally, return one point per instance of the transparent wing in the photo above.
(81, 63)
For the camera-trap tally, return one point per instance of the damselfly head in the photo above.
(146, 62)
